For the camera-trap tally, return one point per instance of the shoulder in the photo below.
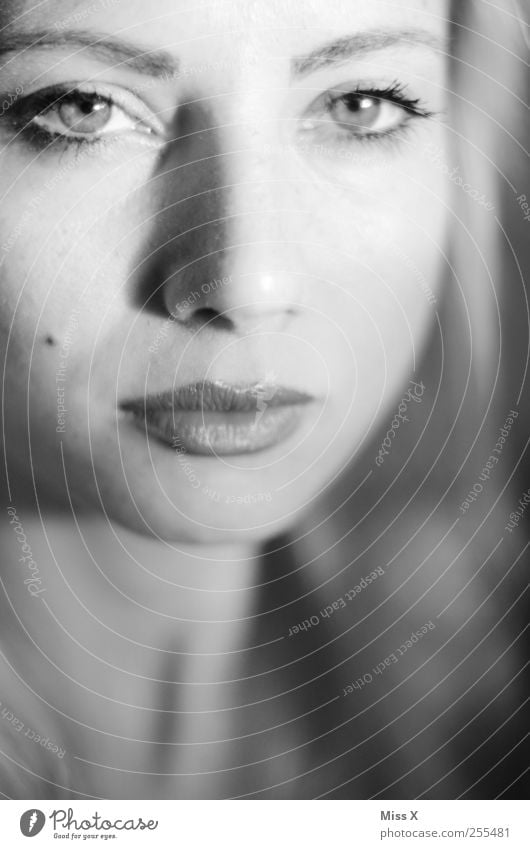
(32, 764)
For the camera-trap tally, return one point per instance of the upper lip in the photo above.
(216, 396)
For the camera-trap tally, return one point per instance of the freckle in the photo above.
(49, 340)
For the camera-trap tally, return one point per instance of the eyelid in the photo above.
(366, 85)
(394, 93)
(118, 96)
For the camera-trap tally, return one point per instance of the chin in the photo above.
(192, 522)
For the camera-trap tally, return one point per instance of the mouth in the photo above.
(220, 418)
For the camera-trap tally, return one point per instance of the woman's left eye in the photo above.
(363, 113)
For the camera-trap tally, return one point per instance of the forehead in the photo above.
(290, 25)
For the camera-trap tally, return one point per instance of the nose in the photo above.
(228, 259)
(242, 286)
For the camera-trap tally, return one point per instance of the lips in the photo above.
(220, 418)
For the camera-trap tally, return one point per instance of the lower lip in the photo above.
(205, 432)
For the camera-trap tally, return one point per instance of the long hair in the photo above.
(405, 678)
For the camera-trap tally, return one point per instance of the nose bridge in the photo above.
(254, 218)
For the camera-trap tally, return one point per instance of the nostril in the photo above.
(207, 315)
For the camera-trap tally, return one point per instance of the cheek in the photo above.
(52, 294)
(60, 255)
(382, 270)
(410, 261)
(61, 222)
(381, 243)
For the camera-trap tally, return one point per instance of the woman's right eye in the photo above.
(83, 114)
(78, 113)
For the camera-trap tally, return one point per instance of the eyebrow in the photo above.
(155, 63)
(160, 63)
(364, 42)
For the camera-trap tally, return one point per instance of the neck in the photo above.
(192, 581)
(197, 596)
(134, 638)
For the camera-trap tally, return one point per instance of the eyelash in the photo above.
(25, 111)
(396, 94)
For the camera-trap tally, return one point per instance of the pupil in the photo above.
(357, 111)
(358, 104)
(84, 112)
(87, 103)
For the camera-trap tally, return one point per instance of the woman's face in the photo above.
(221, 234)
